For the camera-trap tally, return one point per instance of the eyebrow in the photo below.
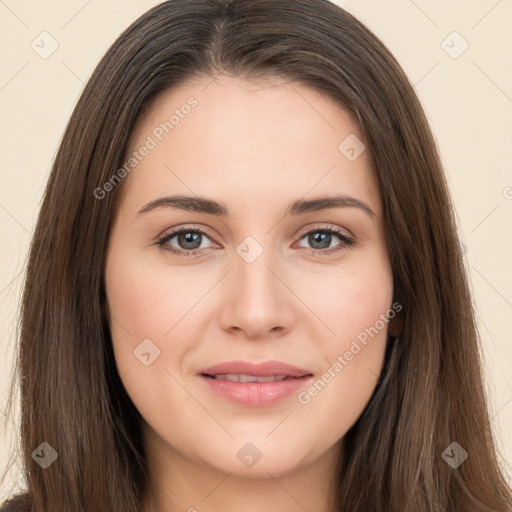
(209, 206)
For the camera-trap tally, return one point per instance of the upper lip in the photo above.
(265, 369)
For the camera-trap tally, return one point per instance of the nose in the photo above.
(257, 300)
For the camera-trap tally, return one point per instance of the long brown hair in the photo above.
(430, 393)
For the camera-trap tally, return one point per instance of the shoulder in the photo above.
(18, 503)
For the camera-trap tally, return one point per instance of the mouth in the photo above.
(237, 377)
(236, 370)
(254, 384)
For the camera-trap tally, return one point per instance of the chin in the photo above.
(258, 458)
(261, 469)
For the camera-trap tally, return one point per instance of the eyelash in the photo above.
(348, 241)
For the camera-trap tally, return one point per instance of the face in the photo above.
(289, 295)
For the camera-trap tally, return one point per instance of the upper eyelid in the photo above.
(322, 227)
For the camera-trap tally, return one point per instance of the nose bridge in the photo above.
(259, 300)
(252, 271)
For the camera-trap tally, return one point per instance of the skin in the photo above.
(256, 148)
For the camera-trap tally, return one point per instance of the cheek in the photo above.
(134, 309)
(153, 322)
(350, 301)
(357, 307)
(145, 313)
(147, 301)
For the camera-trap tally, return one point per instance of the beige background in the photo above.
(468, 100)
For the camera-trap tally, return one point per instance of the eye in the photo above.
(190, 240)
(321, 238)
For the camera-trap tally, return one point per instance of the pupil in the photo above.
(189, 238)
(325, 239)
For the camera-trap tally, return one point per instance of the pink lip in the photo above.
(257, 369)
(255, 394)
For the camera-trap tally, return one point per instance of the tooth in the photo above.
(248, 378)
(270, 378)
(244, 378)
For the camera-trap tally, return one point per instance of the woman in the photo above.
(314, 348)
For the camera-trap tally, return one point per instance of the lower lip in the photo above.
(256, 394)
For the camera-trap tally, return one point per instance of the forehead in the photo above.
(233, 103)
(270, 140)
